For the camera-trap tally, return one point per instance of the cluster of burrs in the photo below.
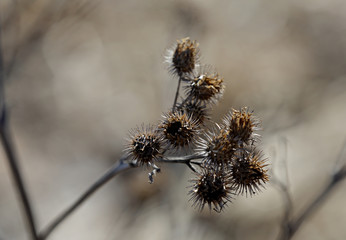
(224, 157)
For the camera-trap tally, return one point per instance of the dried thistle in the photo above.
(145, 146)
(196, 110)
(183, 59)
(178, 129)
(217, 148)
(241, 126)
(212, 187)
(249, 172)
(206, 86)
(227, 161)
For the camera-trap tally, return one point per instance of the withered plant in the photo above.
(224, 157)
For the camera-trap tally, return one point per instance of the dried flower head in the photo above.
(241, 125)
(178, 129)
(144, 145)
(249, 172)
(212, 187)
(206, 86)
(184, 57)
(196, 110)
(217, 148)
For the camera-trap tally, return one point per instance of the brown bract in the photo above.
(144, 146)
(185, 56)
(241, 125)
(206, 87)
(178, 129)
(218, 149)
(211, 187)
(249, 172)
(196, 110)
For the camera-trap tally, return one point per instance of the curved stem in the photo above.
(9, 150)
(176, 95)
(6, 139)
(184, 160)
(113, 171)
(337, 177)
(181, 159)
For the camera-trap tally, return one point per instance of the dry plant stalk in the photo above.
(224, 157)
(227, 161)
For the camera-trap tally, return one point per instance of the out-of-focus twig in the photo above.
(117, 168)
(283, 184)
(51, 13)
(8, 146)
(291, 226)
(113, 171)
(176, 95)
(294, 224)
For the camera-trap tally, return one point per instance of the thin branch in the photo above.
(18, 181)
(317, 202)
(182, 159)
(283, 185)
(6, 139)
(339, 174)
(288, 209)
(113, 171)
(189, 164)
(176, 94)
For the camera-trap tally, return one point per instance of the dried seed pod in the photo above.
(183, 59)
(144, 146)
(217, 148)
(206, 86)
(196, 110)
(249, 172)
(241, 126)
(212, 187)
(178, 129)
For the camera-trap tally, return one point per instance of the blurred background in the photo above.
(82, 73)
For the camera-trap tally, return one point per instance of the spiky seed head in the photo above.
(206, 86)
(249, 172)
(241, 125)
(144, 145)
(212, 187)
(217, 148)
(196, 110)
(178, 129)
(183, 59)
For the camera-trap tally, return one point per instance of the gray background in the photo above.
(83, 73)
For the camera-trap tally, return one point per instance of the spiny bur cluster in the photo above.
(225, 157)
(198, 111)
(248, 172)
(178, 129)
(144, 146)
(184, 57)
(212, 187)
(205, 86)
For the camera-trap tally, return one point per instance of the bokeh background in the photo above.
(81, 73)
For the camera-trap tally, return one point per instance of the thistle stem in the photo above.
(17, 178)
(336, 178)
(6, 139)
(176, 94)
(112, 172)
(182, 159)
